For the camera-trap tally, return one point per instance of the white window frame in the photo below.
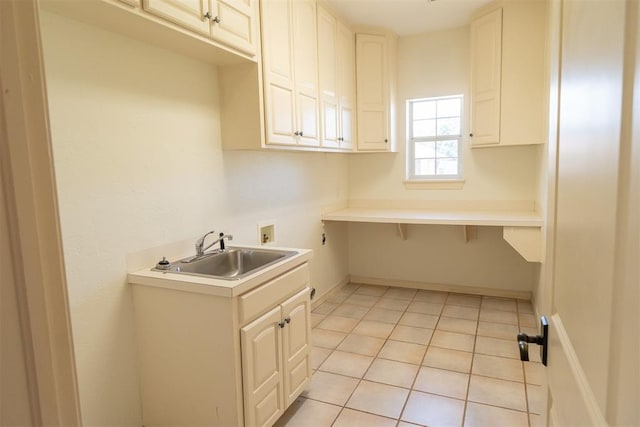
(411, 161)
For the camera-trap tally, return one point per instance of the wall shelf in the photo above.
(522, 229)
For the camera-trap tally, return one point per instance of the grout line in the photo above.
(473, 357)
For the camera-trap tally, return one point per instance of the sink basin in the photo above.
(232, 264)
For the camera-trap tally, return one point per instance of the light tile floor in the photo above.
(385, 356)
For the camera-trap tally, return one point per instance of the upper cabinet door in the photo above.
(346, 63)
(373, 89)
(232, 23)
(305, 55)
(328, 78)
(486, 71)
(278, 72)
(191, 14)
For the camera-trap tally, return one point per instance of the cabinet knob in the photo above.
(207, 15)
(301, 134)
(287, 319)
(386, 140)
(281, 324)
(216, 19)
(471, 135)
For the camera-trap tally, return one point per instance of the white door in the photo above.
(486, 74)
(232, 23)
(186, 13)
(594, 360)
(296, 344)
(328, 78)
(262, 369)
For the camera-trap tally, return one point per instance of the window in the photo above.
(434, 132)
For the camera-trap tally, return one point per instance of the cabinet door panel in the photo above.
(296, 344)
(186, 13)
(236, 24)
(306, 69)
(373, 102)
(262, 369)
(486, 72)
(346, 83)
(281, 115)
(327, 78)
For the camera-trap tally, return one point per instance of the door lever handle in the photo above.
(542, 340)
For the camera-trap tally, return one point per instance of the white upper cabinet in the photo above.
(509, 84)
(231, 22)
(336, 73)
(375, 63)
(486, 54)
(290, 72)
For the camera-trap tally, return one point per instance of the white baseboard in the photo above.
(460, 289)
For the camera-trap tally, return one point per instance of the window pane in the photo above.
(447, 148)
(449, 126)
(449, 107)
(425, 166)
(424, 128)
(447, 167)
(424, 110)
(426, 149)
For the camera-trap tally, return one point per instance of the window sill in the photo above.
(434, 184)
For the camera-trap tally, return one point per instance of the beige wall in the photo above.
(139, 164)
(437, 64)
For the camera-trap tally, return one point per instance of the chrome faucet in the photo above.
(200, 248)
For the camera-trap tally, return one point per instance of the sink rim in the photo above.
(175, 265)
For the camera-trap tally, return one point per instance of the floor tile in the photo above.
(401, 293)
(525, 319)
(372, 290)
(319, 355)
(302, 410)
(361, 344)
(326, 339)
(338, 297)
(379, 399)
(373, 329)
(537, 420)
(392, 304)
(330, 388)
(492, 391)
(498, 330)
(431, 296)
(351, 287)
(419, 320)
(462, 326)
(316, 318)
(445, 383)
(349, 364)
(525, 307)
(460, 312)
(350, 418)
(452, 360)
(497, 367)
(406, 424)
(411, 334)
(403, 352)
(496, 316)
(432, 410)
(383, 315)
(392, 372)
(499, 304)
(478, 415)
(338, 324)
(536, 398)
(465, 300)
(452, 340)
(363, 300)
(498, 347)
(325, 308)
(425, 307)
(535, 373)
(350, 310)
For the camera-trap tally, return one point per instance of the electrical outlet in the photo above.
(266, 233)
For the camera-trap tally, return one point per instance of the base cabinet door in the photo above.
(296, 344)
(262, 369)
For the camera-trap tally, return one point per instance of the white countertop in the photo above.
(219, 287)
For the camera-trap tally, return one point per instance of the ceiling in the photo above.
(407, 17)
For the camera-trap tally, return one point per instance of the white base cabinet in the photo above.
(223, 361)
